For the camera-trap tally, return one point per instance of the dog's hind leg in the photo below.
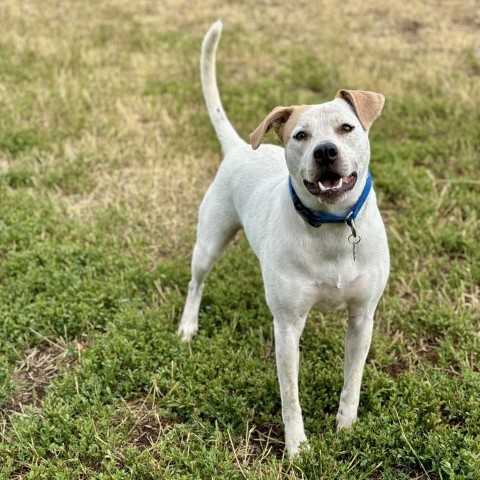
(217, 224)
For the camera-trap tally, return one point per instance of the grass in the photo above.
(105, 153)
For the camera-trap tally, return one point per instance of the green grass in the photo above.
(105, 153)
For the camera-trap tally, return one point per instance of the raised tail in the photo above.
(226, 134)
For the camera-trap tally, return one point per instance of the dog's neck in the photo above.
(317, 218)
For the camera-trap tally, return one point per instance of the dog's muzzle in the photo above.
(328, 183)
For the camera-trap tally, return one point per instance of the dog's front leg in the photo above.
(357, 344)
(287, 339)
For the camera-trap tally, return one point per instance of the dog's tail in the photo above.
(226, 134)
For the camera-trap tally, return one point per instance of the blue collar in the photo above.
(316, 219)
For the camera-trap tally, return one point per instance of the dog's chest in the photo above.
(334, 284)
(334, 277)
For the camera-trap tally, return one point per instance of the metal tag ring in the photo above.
(354, 239)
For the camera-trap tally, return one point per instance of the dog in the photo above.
(310, 215)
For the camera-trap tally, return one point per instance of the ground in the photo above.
(105, 152)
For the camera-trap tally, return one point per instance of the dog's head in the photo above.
(326, 145)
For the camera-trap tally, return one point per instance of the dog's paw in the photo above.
(187, 332)
(296, 444)
(344, 421)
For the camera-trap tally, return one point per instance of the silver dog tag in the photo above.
(354, 240)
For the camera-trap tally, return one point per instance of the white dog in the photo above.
(304, 219)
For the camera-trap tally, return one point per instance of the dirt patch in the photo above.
(258, 443)
(268, 438)
(397, 368)
(422, 349)
(33, 373)
(426, 348)
(20, 473)
(411, 29)
(148, 426)
(470, 22)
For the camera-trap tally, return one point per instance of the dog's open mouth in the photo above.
(331, 184)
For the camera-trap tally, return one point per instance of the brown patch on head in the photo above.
(287, 129)
(367, 105)
(282, 120)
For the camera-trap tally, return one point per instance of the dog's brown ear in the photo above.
(367, 105)
(276, 119)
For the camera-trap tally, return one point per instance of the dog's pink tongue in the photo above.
(331, 183)
(348, 179)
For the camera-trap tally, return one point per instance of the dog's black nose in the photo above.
(325, 153)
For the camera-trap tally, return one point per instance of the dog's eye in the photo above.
(346, 128)
(301, 135)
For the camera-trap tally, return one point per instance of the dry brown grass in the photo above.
(148, 426)
(33, 373)
(132, 140)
